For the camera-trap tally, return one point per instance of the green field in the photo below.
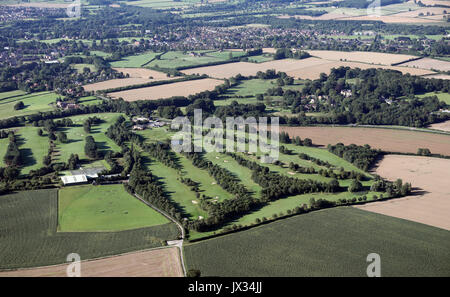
(332, 242)
(30, 238)
(162, 4)
(178, 192)
(135, 61)
(177, 59)
(103, 208)
(80, 67)
(76, 136)
(441, 96)
(34, 103)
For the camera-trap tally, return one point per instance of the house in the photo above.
(74, 179)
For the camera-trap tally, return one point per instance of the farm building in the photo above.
(74, 179)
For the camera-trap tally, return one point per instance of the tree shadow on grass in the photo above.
(182, 209)
(27, 157)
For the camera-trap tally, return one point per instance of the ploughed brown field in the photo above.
(137, 76)
(184, 88)
(309, 68)
(431, 203)
(155, 263)
(391, 140)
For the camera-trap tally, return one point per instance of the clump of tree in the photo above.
(424, 152)
(91, 149)
(19, 105)
(13, 156)
(361, 156)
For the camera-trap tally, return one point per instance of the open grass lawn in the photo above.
(260, 58)
(162, 4)
(180, 193)
(156, 134)
(80, 67)
(331, 242)
(103, 208)
(11, 94)
(76, 136)
(441, 96)
(252, 87)
(208, 185)
(33, 148)
(243, 174)
(134, 61)
(30, 238)
(34, 103)
(184, 59)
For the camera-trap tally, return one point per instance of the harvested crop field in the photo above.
(364, 57)
(427, 63)
(309, 68)
(184, 88)
(153, 263)
(392, 19)
(431, 204)
(116, 83)
(143, 73)
(137, 76)
(444, 126)
(392, 140)
(439, 76)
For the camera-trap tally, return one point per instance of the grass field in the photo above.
(178, 192)
(135, 61)
(332, 242)
(441, 96)
(76, 136)
(103, 208)
(184, 59)
(29, 237)
(33, 148)
(162, 4)
(80, 67)
(34, 103)
(243, 174)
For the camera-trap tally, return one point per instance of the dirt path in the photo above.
(431, 203)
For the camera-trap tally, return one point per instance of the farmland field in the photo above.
(431, 205)
(441, 96)
(332, 242)
(29, 237)
(443, 126)
(427, 63)
(153, 263)
(135, 61)
(137, 76)
(385, 139)
(183, 88)
(364, 57)
(103, 208)
(181, 59)
(309, 68)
